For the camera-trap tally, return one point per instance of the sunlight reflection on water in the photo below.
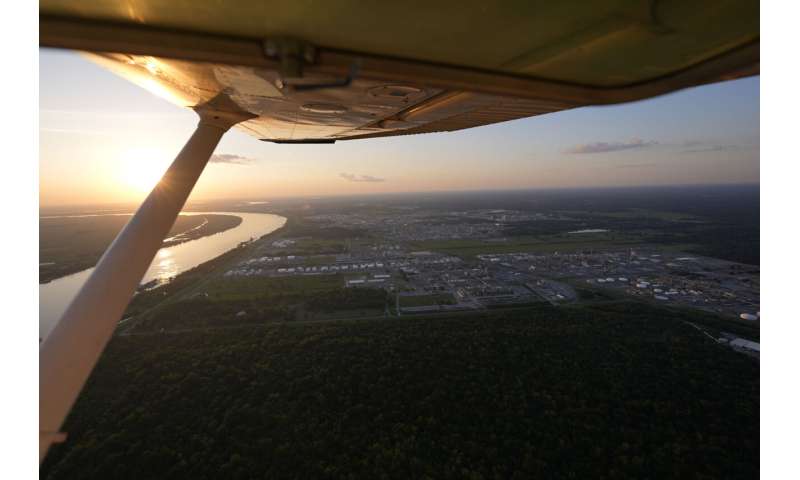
(54, 297)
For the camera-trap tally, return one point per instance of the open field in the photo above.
(71, 244)
(218, 301)
(425, 300)
(566, 243)
(264, 287)
(640, 213)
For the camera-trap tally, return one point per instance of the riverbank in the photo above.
(188, 283)
(70, 244)
(169, 262)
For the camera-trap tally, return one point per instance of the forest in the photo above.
(617, 390)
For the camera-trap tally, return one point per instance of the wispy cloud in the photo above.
(231, 159)
(636, 165)
(712, 148)
(352, 177)
(694, 145)
(605, 147)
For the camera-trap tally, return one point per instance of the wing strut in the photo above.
(68, 355)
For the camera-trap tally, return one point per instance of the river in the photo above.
(54, 297)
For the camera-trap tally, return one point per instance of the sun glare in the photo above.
(143, 167)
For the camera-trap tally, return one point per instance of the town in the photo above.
(426, 280)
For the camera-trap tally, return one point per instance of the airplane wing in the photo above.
(325, 71)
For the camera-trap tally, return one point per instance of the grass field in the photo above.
(313, 245)
(424, 300)
(218, 301)
(543, 244)
(636, 213)
(239, 288)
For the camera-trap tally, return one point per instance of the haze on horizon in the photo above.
(104, 140)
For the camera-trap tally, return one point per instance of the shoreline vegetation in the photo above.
(186, 283)
(69, 245)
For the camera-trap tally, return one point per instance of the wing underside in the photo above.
(373, 69)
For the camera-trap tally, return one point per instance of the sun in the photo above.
(142, 167)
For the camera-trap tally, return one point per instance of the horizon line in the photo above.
(189, 203)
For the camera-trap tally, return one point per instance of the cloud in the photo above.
(605, 147)
(707, 146)
(636, 165)
(230, 158)
(352, 177)
(712, 148)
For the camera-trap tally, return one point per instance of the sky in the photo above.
(103, 139)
